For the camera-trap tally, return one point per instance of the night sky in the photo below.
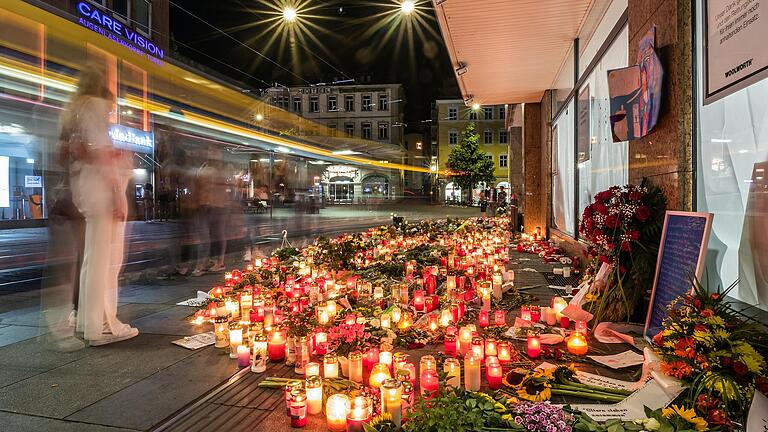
(331, 40)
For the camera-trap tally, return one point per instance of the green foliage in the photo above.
(455, 410)
(468, 162)
(286, 253)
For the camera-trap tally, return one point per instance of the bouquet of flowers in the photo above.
(346, 338)
(718, 355)
(623, 228)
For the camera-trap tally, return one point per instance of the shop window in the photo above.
(314, 104)
(133, 111)
(367, 104)
(562, 172)
(503, 137)
(375, 186)
(108, 65)
(488, 113)
(488, 137)
(349, 128)
(332, 129)
(503, 161)
(453, 113)
(349, 103)
(143, 16)
(366, 131)
(453, 137)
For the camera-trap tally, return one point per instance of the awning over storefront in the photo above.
(509, 51)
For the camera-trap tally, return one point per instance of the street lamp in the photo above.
(289, 14)
(475, 106)
(407, 6)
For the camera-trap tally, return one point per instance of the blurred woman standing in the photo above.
(99, 175)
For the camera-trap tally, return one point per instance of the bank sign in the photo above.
(98, 21)
(126, 138)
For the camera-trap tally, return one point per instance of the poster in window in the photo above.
(735, 46)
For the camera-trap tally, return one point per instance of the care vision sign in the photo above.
(736, 52)
(126, 138)
(99, 21)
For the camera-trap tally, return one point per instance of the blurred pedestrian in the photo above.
(148, 197)
(99, 179)
(211, 187)
(164, 200)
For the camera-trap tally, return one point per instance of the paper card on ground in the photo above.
(576, 313)
(757, 420)
(197, 341)
(197, 301)
(651, 395)
(601, 381)
(607, 332)
(621, 360)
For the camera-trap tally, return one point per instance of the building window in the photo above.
(297, 104)
(488, 113)
(383, 131)
(503, 161)
(122, 9)
(502, 112)
(488, 137)
(367, 130)
(349, 128)
(349, 103)
(332, 105)
(143, 16)
(472, 114)
(332, 129)
(314, 104)
(489, 157)
(453, 137)
(503, 137)
(383, 102)
(367, 104)
(453, 113)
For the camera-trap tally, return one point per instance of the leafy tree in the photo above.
(468, 163)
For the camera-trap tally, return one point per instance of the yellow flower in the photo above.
(687, 414)
(540, 395)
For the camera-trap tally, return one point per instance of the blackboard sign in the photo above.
(681, 255)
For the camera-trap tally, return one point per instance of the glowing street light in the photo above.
(475, 106)
(259, 117)
(407, 6)
(289, 14)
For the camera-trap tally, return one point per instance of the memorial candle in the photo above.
(465, 340)
(385, 357)
(311, 369)
(243, 356)
(452, 368)
(577, 344)
(356, 367)
(429, 383)
(276, 346)
(399, 359)
(397, 314)
(433, 322)
(330, 366)
(371, 358)
(360, 412)
(505, 352)
(450, 284)
(534, 346)
(581, 327)
(411, 369)
(379, 373)
(385, 321)
(418, 300)
(298, 410)
(478, 347)
(321, 342)
(235, 339)
(449, 345)
(221, 332)
(494, 373)
(289, 389)
(454, 308)
(558, 304)
(471, 372)
(336, 412)
(499, 318)
(246, 303)
(491, 347)
(314, 388)
(259, 354)
(483, 318)
(392, 400)
(549, 315)
(525, 313)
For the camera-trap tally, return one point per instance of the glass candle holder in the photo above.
(276, 346)
(399, 359)
(491, 347)
(356, 367)
(478, 347)
(452, 368)
(359, 413)
(577, 344)
(235, 339)
(321, 342)
(525, 313)
(336, 412)
(534, 346)
(392, 400)
(494, 372)
(535, 313)
(298, 410)
(311, 369)
(259, 364)
(371, 358)
(314, 387)
(471, 371)
(449, 345)
(330, 366)
(289, 388)
(221, 332)
(483, 318)
(499, 318)
(385, 357)
(379, 373)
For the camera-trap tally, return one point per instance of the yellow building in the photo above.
(452, 116)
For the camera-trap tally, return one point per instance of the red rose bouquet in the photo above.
(719, 356)
(623, 228)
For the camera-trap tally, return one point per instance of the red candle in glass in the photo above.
(321, 343)
(411, 368)
(535, 314)
(418, 300)
(435, 302)
(525, 313)
(429, 382)
(430, 283)
(500, 318)
(493, 373)
(371, 358)
(534, 346)
(350, 319)
(451, 330)
(462, 309)
(565, 322)
(469, 295)
(449, 345)
(443, 262)
(455, 312)
(483, 318)
(276, 346)
(504, 351)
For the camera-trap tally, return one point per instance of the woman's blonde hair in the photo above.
(92, 84)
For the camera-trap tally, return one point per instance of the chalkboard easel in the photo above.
(682, 252)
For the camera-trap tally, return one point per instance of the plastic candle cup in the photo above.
(493, 373)
(371, 358)
(321, 342)
(483, 318)
(450, 284)
(478, 347)
(379, 373)
(259, 354)
(535, 314)
(235, 339)
(336, 412)
(418, 300)
(392, 400)
(359, 413)
(429, 383)
(289, 389)
(504, 352)
(399, 359)
(221, 332)
(243, 356)
(465, 340)
(471, 372)
(314, 388)
(454, 308)
(330, 366)
(298, 409)
(356, 367)
(311, 369)
(499, 318)
(525, 313)
(396, 313)
(581, 327)
(386, 320)
(276, 346)
(411, 369)
(534, 346)
(491, 348)
(577, 344)
(385, 357)
(452, 368)
(449, 345)
(433, 322)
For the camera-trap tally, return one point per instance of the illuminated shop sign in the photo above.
(127, 138)
(117, 31)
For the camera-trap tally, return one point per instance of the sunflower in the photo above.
(687, 414)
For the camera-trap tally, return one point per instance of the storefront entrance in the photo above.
(341, 190)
